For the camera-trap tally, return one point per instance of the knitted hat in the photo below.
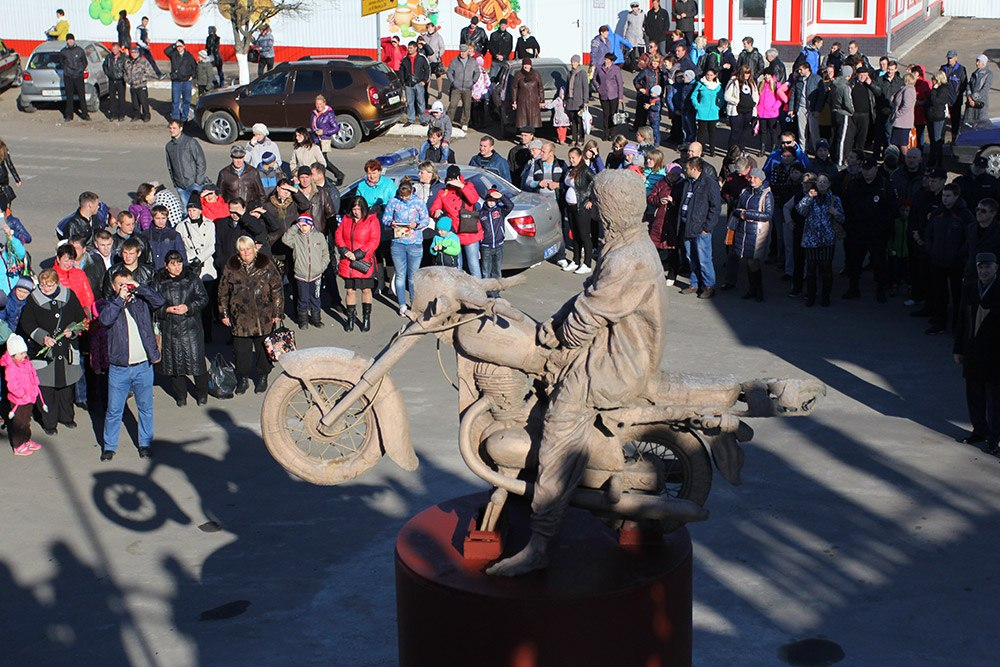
(656, 91)
(25, 282)
(267, 158)
(195, 201)
(305, 219)
(444, 223)
(259, 128)
(16, 345)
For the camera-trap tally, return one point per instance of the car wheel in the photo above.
(95, 103)
(19, 79)
(349, 135)
(26, 107)
(992, 155)
(220, 128)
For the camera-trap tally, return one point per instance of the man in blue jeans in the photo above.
(183, 68)
(132, 351)
(701, 203)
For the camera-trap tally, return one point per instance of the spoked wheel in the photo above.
(684, 469)
(291, 426)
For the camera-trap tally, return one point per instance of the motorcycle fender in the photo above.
(390, 410)
(727, 454)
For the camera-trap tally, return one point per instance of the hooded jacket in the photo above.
(705, 100)
(310, 252)
(21, 380)
(491, 219)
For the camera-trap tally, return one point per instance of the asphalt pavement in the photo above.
(864, 527)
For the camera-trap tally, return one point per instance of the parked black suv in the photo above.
(365, 94)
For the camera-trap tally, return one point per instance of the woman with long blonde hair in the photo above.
(7, 171)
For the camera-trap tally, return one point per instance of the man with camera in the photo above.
(132, 351)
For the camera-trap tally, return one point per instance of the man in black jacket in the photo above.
(656, 25)
(978, 184)
(114, 68)
(84, 222)
(500, 46)
(861, 120)
(73, 62)
(701, 203)
(415, 71)
(474, 36)
(869, 210)
(183, 67)
(976, 350)
(885, 88)
(946, 250)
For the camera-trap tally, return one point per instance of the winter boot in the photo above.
(751, 287)
(315, 320)
(352, 317)
(366, 316)
(824, 297)
(758, 284)
(810, 291)
(303, 321)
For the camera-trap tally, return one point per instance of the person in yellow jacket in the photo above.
(59, 31)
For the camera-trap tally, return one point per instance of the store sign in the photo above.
(369, 7)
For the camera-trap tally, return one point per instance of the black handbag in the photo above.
(8, 194)
(253, 54)
(358, 263)
(468, 222)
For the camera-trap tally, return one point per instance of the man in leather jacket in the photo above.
(474, 36)
(73, 62)
(500, 46)
(84, 222)
(238, 179)
(114, 68)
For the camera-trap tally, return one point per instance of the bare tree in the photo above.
(248, 16)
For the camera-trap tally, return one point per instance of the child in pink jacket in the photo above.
(23, 392)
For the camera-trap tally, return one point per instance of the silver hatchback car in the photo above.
(42, 80)
(532, 231)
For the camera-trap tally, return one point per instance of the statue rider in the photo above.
(612, 334)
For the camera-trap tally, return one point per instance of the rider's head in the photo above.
(620, 199)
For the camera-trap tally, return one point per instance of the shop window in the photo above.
(842, 9)
(752, 10)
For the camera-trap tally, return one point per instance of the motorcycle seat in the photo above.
(695, 389)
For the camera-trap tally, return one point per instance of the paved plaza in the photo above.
(865, 525)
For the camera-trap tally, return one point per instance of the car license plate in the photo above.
(51, 93)
(551, 250)
(394, 99)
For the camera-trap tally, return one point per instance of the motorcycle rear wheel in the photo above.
(290, 422)
(687, 466)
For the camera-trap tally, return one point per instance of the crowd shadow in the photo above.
(844, 533)
(300, 573)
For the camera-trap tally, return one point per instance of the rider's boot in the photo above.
(366, 316)
(352, 317)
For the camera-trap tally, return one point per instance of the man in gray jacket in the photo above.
(841, 110)
(977, 101)
(462, 73)
(185, 161)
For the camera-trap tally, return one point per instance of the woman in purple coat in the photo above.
(324, 126)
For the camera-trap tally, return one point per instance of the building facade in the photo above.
(562, 27)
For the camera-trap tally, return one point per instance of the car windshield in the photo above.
(45, 60)
(487, 180)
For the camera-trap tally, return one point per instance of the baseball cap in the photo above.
(527, 129)
(823, 143)
(869, 163)
(237, 151)
(981, 258)
(303, 171)
(438, 107)
(937, 172)
(952, 53)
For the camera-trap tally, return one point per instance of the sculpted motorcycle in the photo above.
(332, 414)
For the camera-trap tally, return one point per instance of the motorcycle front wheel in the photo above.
(290, 422)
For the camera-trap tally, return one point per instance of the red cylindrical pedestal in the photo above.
(598, 603)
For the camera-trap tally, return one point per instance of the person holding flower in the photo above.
(50, 323)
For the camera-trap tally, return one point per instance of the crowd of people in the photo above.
(831, 155)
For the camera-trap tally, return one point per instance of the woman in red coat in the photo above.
(458, 195)
(357, 238)
(663, 228)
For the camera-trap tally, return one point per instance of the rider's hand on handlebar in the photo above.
(546, 335)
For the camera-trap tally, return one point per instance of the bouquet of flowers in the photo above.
(72, 330)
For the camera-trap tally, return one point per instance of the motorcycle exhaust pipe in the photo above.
(471, 456)
(640, 506)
